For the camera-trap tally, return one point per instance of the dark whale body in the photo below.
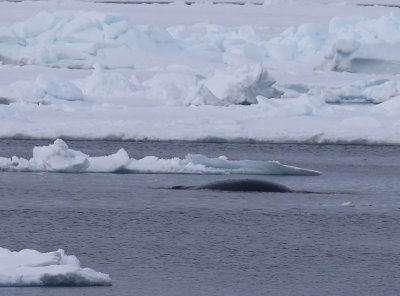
(246, 185)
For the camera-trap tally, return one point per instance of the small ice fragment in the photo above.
(347, 204)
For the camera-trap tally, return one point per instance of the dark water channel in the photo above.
(164, 242)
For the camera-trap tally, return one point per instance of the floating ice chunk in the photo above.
(200, 164)
(116, 162)
(58, 157)
(347, 204)
(14, 164)
(32, 268)
(152, 164)
(248, 166)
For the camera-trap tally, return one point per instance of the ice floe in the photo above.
(58, 157)
(32, 268)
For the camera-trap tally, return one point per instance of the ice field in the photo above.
(285, 71)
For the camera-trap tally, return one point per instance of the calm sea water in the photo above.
(156, 241)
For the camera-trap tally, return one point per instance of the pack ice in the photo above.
(80, 39)
(343, 45)
(32, 268)
(58, 157)
(332, 80)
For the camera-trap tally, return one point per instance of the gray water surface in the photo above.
(344, 240)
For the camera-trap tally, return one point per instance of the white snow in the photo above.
(179, 85)
(355, 57)
(42, 89)
(32, 268)
(102, 83)
(81, 39)
(340, 39)
(58, 157)
(365, 91)
(83, 70)
(176, 85)
(73, 40)
(242, 85)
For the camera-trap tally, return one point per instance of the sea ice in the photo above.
(229, 85)
(353, 44)
(177, 85)
(32, 268)
(355, 57)
(58, 157)
(68, 39)
(42, 89)
(187, 74)
(78, 40)
(369, 91)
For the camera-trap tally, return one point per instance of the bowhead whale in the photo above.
(244, 185)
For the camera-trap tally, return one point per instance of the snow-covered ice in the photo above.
(32, 268)
(278, 72)
(58, 157)
(42, 89)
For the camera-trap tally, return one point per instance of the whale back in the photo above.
(247, 185)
